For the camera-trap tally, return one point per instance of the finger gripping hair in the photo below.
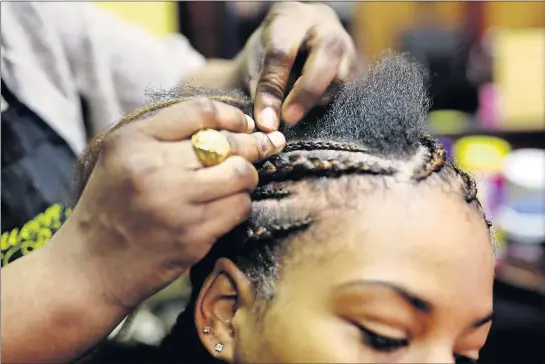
(381, 118)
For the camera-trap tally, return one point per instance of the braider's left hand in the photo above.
(270, 53)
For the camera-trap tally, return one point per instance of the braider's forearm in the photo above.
(219, 74)
(51, 310)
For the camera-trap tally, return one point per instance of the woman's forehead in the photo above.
(439, 243)
(448, 275)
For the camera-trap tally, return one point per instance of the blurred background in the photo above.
(485, 63)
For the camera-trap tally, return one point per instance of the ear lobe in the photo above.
(223, 293)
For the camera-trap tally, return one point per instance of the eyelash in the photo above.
(381, 343)
(387, 345)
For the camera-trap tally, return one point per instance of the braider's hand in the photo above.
(152, 210)
(270, 53)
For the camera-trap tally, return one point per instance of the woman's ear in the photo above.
(225, 292)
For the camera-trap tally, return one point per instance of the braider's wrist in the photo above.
(116, 275)
(72, 303)
(71, 255)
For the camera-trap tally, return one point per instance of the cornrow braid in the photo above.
(266, 192)
(295, 167)
(383, 117)
(470, 186)
(435, 158)
(322, 145)
(278, 231)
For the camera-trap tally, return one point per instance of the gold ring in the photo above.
(211, 147)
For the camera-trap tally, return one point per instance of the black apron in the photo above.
(37, 165)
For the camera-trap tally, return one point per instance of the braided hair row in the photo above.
(375, 129)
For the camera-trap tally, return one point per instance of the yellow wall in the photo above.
(513, 14)
(377, 23)
(518, 70)
(158, 17)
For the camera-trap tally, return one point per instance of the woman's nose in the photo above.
(436, 355)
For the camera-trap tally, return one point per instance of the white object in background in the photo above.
(522, 216)
(147, 328)
(117, 329)
(144, 327)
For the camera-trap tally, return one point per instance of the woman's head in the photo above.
(364, 244)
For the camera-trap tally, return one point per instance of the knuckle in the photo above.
(140, 180)
(272, 85)
(137, 173)
(276, 66)
(310, 92)
(118, 152)
(242, 207)
(324, 9)
(204, 107)
(113, 143)
(241, 124)
(305, 11)
(199, 214)
(244, 171)
(277, 57)
(244, 204)
(334, 45)
(234, 143)
(277, 6)
(264, 145)
(281, 7)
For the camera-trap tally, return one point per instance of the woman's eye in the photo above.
(460, 359)
(382, 343)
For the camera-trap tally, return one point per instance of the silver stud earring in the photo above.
(218, 348)
(207, 330)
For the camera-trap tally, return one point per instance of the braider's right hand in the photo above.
(150, 210)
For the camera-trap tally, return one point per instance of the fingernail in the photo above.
(251, 123)
(278, 140)
(293, 114)
(268, 118)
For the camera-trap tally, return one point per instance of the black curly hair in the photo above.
(374, 131)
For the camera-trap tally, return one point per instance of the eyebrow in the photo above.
(418, 303)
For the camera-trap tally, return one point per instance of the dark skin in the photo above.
(332, 58)
(175, 210)
(264, 65)
(369, 293)
(175, 217)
